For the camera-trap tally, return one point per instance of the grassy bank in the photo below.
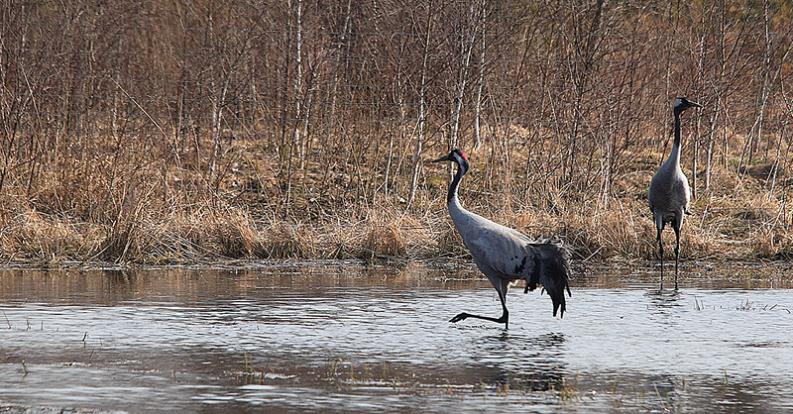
(143, 220)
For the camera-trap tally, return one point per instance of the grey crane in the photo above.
(669, 192)
(505, 255)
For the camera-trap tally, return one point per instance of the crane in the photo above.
(505, 255)
(669, 192)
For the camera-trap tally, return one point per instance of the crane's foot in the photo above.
(460, 317)
(463, 316)
(505, 320)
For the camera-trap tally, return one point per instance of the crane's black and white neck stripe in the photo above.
(674, 155)
(461, 160)
(678, 106)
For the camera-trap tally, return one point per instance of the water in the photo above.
(329, 338)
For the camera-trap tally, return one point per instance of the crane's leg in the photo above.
(677, 225)
(659, 225)
(503, 319)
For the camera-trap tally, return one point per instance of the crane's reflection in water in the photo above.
(521, 362)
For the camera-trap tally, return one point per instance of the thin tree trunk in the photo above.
(714, 119)
(298, 87)
(422, 110)
(700, 81)
(481, 78)
(336, 69)
(283, 148)
(755, 133)
(466, 49)
(581, 82)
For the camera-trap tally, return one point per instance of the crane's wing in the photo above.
(682, 193)
(515, 256)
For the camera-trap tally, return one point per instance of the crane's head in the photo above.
(456, 156)
(682, 103)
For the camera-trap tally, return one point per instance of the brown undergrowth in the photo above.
(738, 221)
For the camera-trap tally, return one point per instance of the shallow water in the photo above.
(339, 339)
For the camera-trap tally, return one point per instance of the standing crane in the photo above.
(505, 255)
(669, 192)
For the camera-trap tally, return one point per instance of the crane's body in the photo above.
(505, 255)
(669, 194)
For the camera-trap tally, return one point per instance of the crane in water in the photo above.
(669, 192)
(505, 255)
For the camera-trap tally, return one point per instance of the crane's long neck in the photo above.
(674, 155)
(458, 176)
(460, 216)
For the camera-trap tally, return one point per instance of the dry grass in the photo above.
(384, 240)
(773, 245)
(198, 234)
(286, 241)
(89, 218)
(33, 236)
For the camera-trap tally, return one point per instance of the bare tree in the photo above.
(422, 112)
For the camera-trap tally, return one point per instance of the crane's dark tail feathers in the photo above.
(552, 271)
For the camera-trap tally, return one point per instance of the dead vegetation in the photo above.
(744, 225)
(195, 131)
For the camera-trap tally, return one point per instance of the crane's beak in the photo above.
(443, 158)
(694, 104)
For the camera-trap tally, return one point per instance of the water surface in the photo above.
(336, 338)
